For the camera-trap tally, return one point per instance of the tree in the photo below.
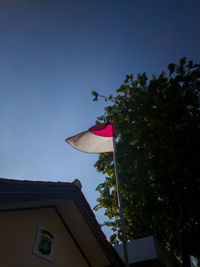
(157, 127)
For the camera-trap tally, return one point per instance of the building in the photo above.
(148, 252)
(50, 224)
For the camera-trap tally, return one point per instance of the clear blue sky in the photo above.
(53, 53)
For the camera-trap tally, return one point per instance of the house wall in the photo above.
(18, 231)
(83, 233)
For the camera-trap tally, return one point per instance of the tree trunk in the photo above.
(184, 251)
(186, 260)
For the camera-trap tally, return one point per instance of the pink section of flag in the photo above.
(98, 139)
(103, 129)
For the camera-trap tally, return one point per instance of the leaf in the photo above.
(95, 94)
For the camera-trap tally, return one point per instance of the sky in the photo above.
(53, 53)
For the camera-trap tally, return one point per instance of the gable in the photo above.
(18, 232)
(70, 208)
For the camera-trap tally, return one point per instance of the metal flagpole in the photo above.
(120, 206)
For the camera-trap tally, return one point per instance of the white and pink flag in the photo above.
(98, 139)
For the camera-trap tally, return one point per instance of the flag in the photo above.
(97, 139)
(100, 138)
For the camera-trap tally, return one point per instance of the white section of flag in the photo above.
(91, 143)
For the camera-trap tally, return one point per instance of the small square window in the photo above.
(44, 245)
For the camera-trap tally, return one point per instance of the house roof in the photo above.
(17, 194)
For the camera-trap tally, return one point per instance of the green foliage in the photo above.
(158, 127)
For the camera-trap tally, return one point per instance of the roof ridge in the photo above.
(18, 181)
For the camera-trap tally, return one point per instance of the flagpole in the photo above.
(120, 206)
